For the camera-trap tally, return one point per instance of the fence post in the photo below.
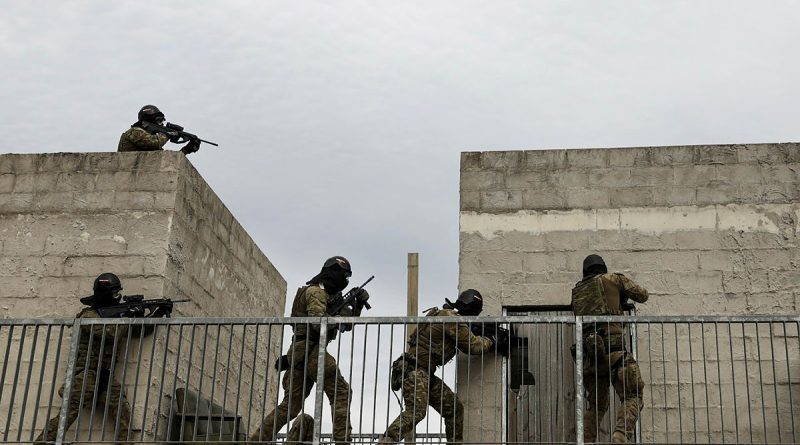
(579, 403)
(320, 390)
(73, 353)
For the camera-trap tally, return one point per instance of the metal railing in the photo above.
(704, 380)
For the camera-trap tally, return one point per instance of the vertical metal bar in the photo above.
(188, 383)
(664, 370)
(678, 373)
(227, 374)
(363, 375)
(136, 382)
(27, 382)
(122, 383)
(652, 375)
(637, 431)
(41, 381)
(388, 387)
(175, 378)
(55, 374)
(733, 379)
(761, 383)
(775, 381)
(789, 376)
(203, 350)
(705, 379)
(323, 341)
(691, 380)
(719, 379)
(375, 386)
(579, 381)
(266, 378)
(239, 378)
(149, 378)
(73, 352)
(161, 382)
(252, 375)
(214, 383)
(96, 381)
(14, 383)
(747, 384)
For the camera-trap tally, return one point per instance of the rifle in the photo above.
(350, 299)
(137, 306)
(171, 129)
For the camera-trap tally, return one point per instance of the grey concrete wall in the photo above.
(151, 219)
(706, 229)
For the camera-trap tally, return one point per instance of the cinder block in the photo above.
(628, 157)
(716, 154)
(114, 181)
(501, 160)
(537, 160)
(656, 176)
(470, 200)
(501, 201)
(145, 181)
(697, 175)
(528, 180)
(587, 158)
(58, 162)
(719, 194)
(6, 183)
(471, 161)
(12, 203)
(610, 177)
(671, 156)
(588, 198)
(483, 180)
(53, 202)
(769, 153)
(94, 200)
(75, 182)
(632, 197)
(674, 196)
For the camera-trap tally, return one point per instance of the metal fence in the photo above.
(705, 380)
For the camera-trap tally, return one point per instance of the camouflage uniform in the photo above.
(606, 360)
(138, 139)
(310, 301)
(91, 360)
(302, 431)
(431, 346)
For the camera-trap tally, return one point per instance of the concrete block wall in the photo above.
(706, 229)
(150, 218)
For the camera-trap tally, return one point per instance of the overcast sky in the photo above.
(340, 123)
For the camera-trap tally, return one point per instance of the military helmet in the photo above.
(106, 284)
(338, 261)
(150, 113)
(594, 264)
(469, 302)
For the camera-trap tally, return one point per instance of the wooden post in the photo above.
(412, 306)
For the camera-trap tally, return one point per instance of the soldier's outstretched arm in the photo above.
(630, 289)
(466, 341)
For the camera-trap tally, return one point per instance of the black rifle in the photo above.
(350, 299)
(171, 129)
(137, 306)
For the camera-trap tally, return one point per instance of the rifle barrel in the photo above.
(208, 142)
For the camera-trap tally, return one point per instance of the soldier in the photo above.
(302, 357)
(606, 359)
(431, 346)
(142, 137)
(92, 380)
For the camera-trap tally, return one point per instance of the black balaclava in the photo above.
(593, 265)
(106, 291)
(334, 275)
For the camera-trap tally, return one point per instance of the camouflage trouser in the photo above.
(628, 384)
(297, 384)
(302, 430)
(421, 389)
(119, 411)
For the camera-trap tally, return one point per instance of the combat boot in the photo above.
(384, 440)
(619, 437)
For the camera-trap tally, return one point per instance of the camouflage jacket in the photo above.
(138, 139)
(602, 295)
(99, 344)
(311, 301)
(433, 345)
